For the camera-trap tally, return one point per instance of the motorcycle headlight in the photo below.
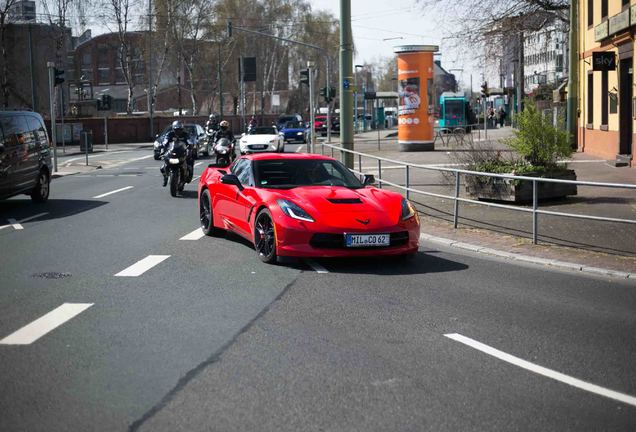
(293, 210)
(408, 211)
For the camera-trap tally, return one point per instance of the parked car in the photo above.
(335, 126)
(295, 132)
(25, 156)
(198, 138)
(262, 139)
(320, 120)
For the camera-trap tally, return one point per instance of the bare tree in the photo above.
(5, 9)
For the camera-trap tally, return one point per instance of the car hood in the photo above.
(258, 139)
(345, 208)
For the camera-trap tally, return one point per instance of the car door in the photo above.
(36, 143)
(226, 197)
(5, 186)
(15, 129)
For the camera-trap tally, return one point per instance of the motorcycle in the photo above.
(224, 151)
(178, 165)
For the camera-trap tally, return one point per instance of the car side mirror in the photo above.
(369, 179)
(231, 179)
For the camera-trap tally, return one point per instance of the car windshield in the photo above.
(291, 173)
(264, 130)
(293, 125)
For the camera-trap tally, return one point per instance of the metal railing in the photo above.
(406, 187)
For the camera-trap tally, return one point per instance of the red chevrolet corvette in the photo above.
(305, 205)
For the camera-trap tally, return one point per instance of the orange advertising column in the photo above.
(415, 90)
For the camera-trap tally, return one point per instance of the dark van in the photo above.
(25, 155)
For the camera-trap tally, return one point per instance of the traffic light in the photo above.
(324, 93)
(332, 93)
(484, 89)
(59, 76)
(304, 76)
(229, 29)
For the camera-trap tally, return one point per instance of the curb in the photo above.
(562, 265)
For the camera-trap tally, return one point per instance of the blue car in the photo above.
(294, 132)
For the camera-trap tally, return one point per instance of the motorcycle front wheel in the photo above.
(174, 182)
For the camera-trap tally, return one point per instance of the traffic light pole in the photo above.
(346, 76)
(51, 67)
(312, 138)
(232, 27)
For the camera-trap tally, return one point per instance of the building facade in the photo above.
(545, 56)
(606, 80)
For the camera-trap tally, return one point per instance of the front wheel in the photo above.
(173, 180)
(206, 215)
(265, 237)
(40, 192)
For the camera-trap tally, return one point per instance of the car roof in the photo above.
(13, 113)
(286, 156)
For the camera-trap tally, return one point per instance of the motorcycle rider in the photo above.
(252, 125)
(225, 132)
(212, 125)
(177, 133)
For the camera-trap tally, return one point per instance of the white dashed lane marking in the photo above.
(113, 192)
(17, 224)
(142, 266)
(194, 235)
(574, 382)
(317, 267)
(46, 323)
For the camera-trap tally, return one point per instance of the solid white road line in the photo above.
(574, 382)
(14, 223)
(41, 326)
(142, 266)
(317, 267)
(197, 164)
(113, 192)
(194, 235)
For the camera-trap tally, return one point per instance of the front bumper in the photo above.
(256, 148)
(307, 239)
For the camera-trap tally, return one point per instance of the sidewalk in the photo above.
(71, 160)
(597, 247)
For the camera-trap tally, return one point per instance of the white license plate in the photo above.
(259, 147)
(364, 240)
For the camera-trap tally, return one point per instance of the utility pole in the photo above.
(573, 75)
(220, 76)
(520, 78)
(346, 97)
(150, 89)
(51, 67)
(312, 116)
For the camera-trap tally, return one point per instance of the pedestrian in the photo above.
(491, 117)
(502, 116)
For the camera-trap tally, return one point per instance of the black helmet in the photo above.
(176, 125)
(212, 117)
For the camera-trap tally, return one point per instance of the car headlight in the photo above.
(299, 133)
(293, 210)
(272, 141)
(408, 211)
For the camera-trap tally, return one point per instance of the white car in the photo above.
(262, 139)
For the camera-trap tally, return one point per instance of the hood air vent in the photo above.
(344, 200)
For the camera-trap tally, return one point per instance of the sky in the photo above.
(373, 21)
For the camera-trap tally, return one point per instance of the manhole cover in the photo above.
(51, 275)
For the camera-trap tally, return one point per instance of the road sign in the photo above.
(346, 84)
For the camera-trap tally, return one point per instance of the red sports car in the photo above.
(305, 205)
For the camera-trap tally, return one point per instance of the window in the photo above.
(603, 9)
(104, 76)
(241, 169)
(590, 98)
(590, 13)
(103, 59)
(604, 98)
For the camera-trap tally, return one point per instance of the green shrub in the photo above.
(536, 140)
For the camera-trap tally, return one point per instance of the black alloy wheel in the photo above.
(206, 216)
(40, 192)
(264, 237)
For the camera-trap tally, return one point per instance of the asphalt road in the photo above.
(206, 337)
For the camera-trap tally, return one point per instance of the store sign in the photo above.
(601, 31)
(604, 61)
(619, 22)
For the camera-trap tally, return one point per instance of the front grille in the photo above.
(344, 200)
(337, 241)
